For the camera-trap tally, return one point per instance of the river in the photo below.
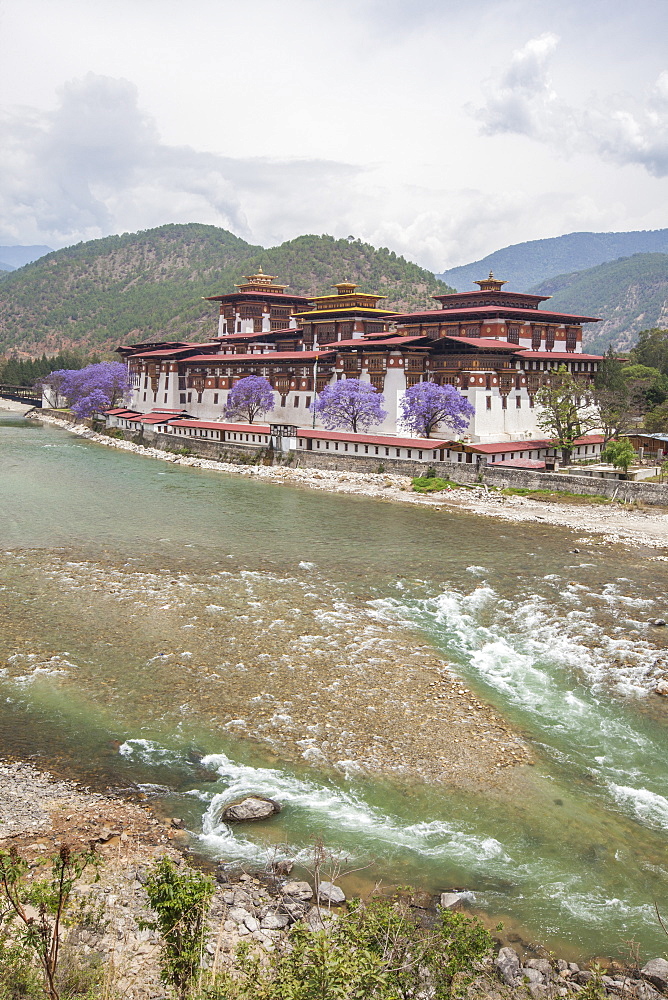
(140, 600)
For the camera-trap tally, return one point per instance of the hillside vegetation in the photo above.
(95, 295)
(629, 295)
(524, 265)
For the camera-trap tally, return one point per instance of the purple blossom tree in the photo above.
(91, 389)
(426, 405)
(248, 398)
(350, 404)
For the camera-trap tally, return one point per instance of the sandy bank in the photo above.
(612, 522)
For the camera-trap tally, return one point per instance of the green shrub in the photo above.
(19, 980)
(375, 951)
(432, 484)
(180, 897)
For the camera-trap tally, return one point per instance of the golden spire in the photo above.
(490, 284)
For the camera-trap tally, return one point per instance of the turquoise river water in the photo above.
(571, 853)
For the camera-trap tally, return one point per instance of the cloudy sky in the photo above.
(443, 129)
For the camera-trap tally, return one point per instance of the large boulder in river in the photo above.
(656, 972)
(329, 893)
(251, 808)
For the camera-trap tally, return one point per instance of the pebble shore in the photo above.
(39, 813)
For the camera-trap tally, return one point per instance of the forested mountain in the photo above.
(12, 257)
(526, 264)
(95, 295)
(629, 295)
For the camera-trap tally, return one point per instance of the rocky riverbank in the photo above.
(106, 928)
(610, 523)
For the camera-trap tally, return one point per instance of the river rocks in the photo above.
(656, 972)
(656, 622)
(541, 965)
(662, 688)
(274, 921)
(508, 964)
(297, 890)
(450, 900)
(253, 807)
(329, 893)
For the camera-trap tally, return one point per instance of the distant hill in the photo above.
(96, 295)
(15, 256)
(524, 265)
(629, 295)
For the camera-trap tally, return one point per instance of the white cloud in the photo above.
(523, 99)
(620, 129)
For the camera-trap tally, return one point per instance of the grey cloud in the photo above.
(97, 165)
(620, 130)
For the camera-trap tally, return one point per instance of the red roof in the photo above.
(431, 444)
(390, 341)
(282, 296)
(268, 357)
(539, 314)
(213, 425)
(118, 410)
(531, 444)
(487, 345)
(229, 337)
(559, 356)
(168, 352)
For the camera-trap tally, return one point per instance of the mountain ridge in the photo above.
(629, 294)
(524, 265)
(96, 295)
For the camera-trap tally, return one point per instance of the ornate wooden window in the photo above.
(513, 334)
(412, 380)
(375, 327)
(376, 363)
(352, 363)
(506, 382)
(250, 311)
(472, 331)
(536, 338)
(571, 339)
(345, 331)
(549, 338)
(257, 325)
(415, 364)
(377, 381)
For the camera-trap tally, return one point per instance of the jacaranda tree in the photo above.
(426, 406)
(91, 389)
(350, 404)
(250, 397)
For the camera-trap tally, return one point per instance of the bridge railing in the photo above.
(27, 392)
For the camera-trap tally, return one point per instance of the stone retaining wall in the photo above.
(654, 494)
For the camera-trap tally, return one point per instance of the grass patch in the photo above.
(432, 484)
(563, 496)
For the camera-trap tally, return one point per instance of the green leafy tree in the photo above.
(656, 422)
(614, 396)
(38, 906)
(652, 349)
(620, 454)
(566, 411)
(180, 897)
